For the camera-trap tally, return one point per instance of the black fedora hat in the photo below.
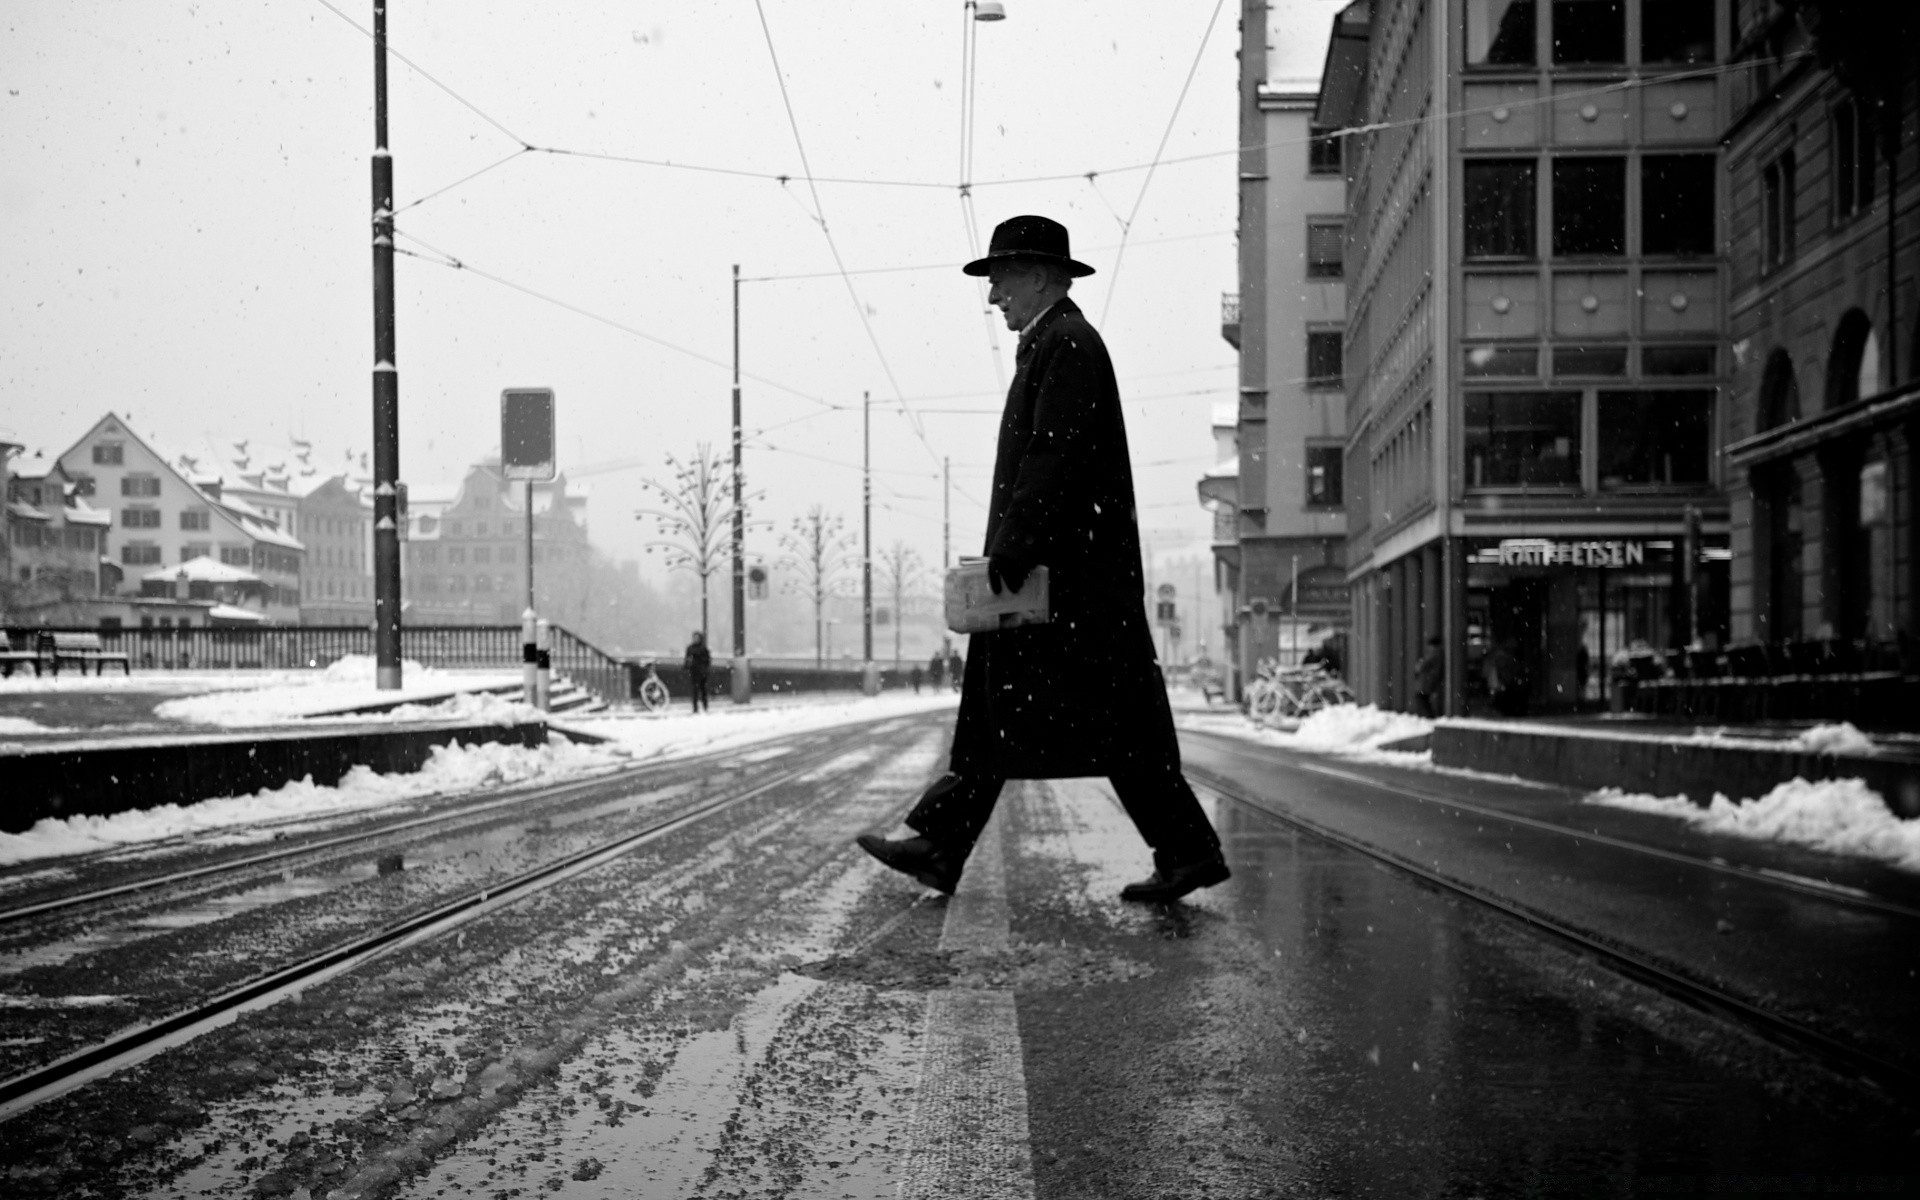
(1034, 238)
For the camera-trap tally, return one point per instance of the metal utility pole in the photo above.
(866, 525)
(742, 685)
(386, 385)
(946, 513)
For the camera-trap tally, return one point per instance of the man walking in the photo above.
(1081, 694)
(699, 662)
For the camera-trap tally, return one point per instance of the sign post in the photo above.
(526, 453)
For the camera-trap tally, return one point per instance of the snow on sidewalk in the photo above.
(1346, 730)
(1838, 816)
(348, 682)
(258, 817)
(653, 737)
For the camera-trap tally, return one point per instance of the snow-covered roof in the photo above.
(25, 511)
(79, 512)
(1226, 468)
(229, 612)
(203, 570)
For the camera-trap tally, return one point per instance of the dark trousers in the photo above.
(1163, 807)
(699, 690)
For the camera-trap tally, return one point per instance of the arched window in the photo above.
(1853, 365)
(1779, 393)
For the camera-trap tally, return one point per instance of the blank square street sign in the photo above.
(526, 433)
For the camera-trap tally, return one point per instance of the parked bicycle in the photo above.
(652, 693)
(1292, 693)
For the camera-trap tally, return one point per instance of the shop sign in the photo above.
(1546, 552)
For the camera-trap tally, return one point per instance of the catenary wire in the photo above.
(1140, 197)
(469, 105)
(501, 162)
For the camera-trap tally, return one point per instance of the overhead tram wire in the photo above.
(463, 179)
(452, 262)
(826, 231)
(469, 105)
(969, 62)
(1126, 227)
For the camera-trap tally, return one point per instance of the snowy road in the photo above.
(750, 1007)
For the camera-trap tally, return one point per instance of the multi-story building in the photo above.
(1535, 320)
(55, 543)
(1824, 322)
(1283, 561)
(161, 517)
(466, 562)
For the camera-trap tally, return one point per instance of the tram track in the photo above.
(451, 820)
(132, 1045)
(1895, 1079)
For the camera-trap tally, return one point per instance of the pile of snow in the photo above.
(1360, 726)
(1833, 739)
(19, 725)
(347, 683)
(1347, 730)
(1839, 816)
(450, 769)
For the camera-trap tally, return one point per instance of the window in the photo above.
(1654, 439)
(1500, 32)
(1323, 359)
(1323, 153)
(1776, 211)
(457, 528)
(479, 529)
(140, 485)
(140, 518)
(109, 454)
(1852, 160)
(1676, 360)
(506, 555)
(1677, 204)
(1676, 31)
(1502, 360)
(1499, 207)
(140, 554)
(1589, 360)
(193, 550)
(456, 554)
(236, 556)
(482, 554)
(1523, 439)
(1589, 31)
(1589, 206)
(483, 583)
(83, 485)
(1323, 477)
(196, 518)
(1324, 248)
(80, 538)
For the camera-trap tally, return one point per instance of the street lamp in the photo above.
(988, 10)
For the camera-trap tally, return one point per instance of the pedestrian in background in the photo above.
(1082, 693)
(937, 668)
(957, 667)
(699, 662)
(915, 676)
(1430, 679)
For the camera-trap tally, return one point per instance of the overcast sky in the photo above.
(185, 195)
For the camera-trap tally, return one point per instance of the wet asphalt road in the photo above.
(756, 1009)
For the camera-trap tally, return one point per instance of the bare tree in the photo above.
(819, 547)
(900, 572)
(695, 517)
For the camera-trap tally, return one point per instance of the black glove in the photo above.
(1008, 569)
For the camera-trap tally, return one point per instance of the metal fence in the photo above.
(272, 647)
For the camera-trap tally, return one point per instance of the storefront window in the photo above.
(1484, 361)
(1676, 360)
(1499, 207)
(1654, 439)
(1500, 32)
(1589, 206)
(1589, 31)
(1676, 31)
(1523, 439)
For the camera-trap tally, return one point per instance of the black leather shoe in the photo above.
(918, 857)
(1175, 882)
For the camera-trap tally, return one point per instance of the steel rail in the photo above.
(1897, 1080)
(1835, 892)
(134, 1045)
(451, 818)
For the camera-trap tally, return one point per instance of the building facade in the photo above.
(56, 543)
(162, 518)
(1824, 325)
(1534, 352)
(465, 560)
(1280, 554)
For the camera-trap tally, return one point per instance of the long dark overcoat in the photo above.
(1083, 694)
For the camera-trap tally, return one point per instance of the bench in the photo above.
(12, 656)
(82, 648)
